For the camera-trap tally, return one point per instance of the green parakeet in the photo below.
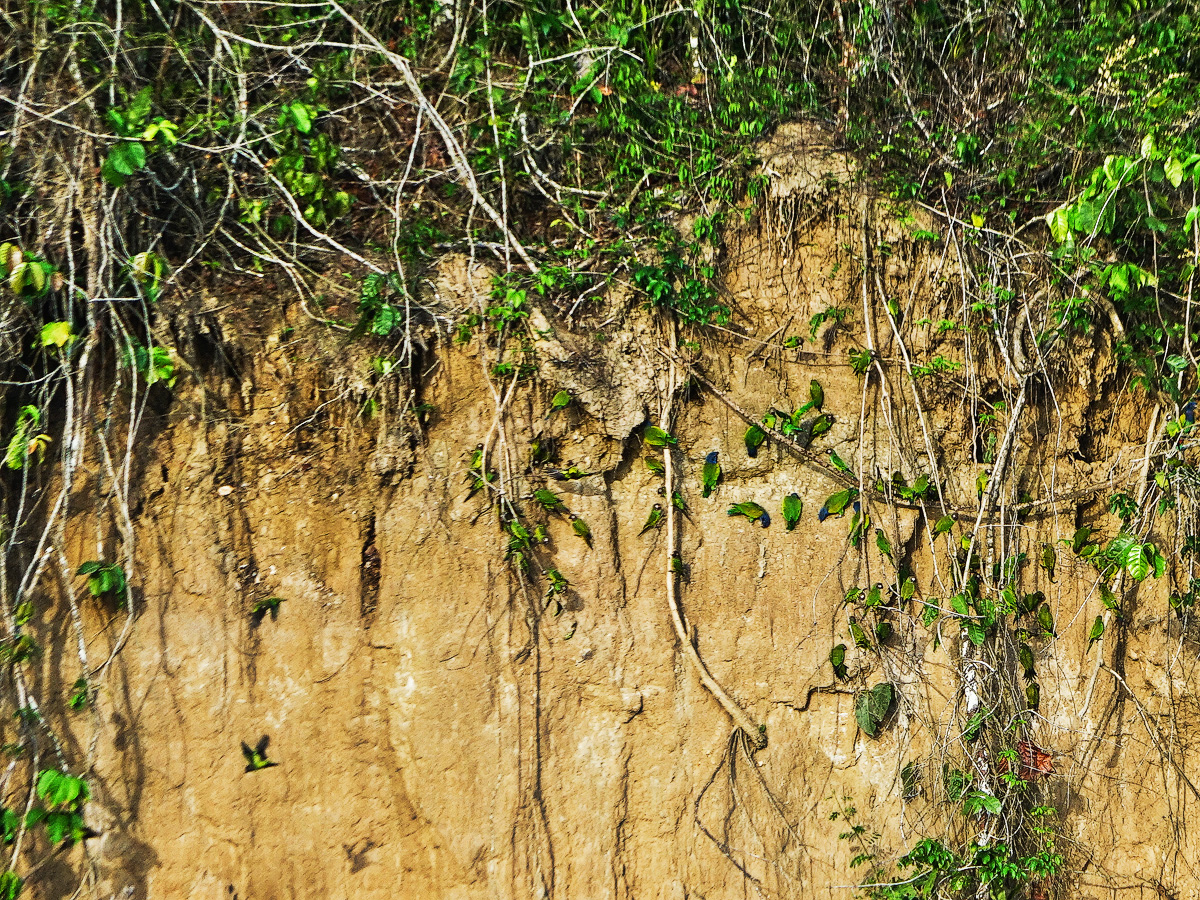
(1080, 539)
(981, 483)
(710, 474)
(882, 542)
(860, 636)
(837, 659)
(1097, 631)
(874, 596)
(655, 465)
(838, 462)
(256, 758)
(944, 524)
(679, 503)
(549, 500)
(816, 394)
(821, 425)
(581, 529)
(752, 511)
(836, 504)
(1046, 618)
(753, 438)
(656, 437)
(561, 400)
(654, 520)
(1025, 655)
(1049, 558)
(793, 506)
(1033, 695)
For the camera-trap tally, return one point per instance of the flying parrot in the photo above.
(256, 758)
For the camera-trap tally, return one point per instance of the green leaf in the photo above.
(976, 633)
(1059, 223)
(1135, 562)
(56, 334)
(301, 117)
(10, 886)
(1174, 170)
(89, 567)
(139, 109)
(1190, 217)
(872, 706)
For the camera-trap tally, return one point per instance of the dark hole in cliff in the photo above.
(369, 592)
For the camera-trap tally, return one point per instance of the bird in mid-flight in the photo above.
(256, 757)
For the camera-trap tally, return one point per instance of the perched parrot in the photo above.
(710, 474)
(793, 506)
(1046, 618)
(581, 529)
(874, 595)
(567, 473)
(679, 503)
(561, 400)
(656, 437)
(1033, 695)
(754, 438)
(802, 434)
(752, 511)
(654, 520)
(837, 659)
(1080, 538)
(882, 542)
(838, 462)
(860, 636)
(1049, 557)
(836, 504)
(816, 394)
(1025, 655)
(1097, 631)
(655, 465)
(944, 524)
(981, 483)
(821, 424)
(549, 500)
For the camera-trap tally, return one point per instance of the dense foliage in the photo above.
(147, 147)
